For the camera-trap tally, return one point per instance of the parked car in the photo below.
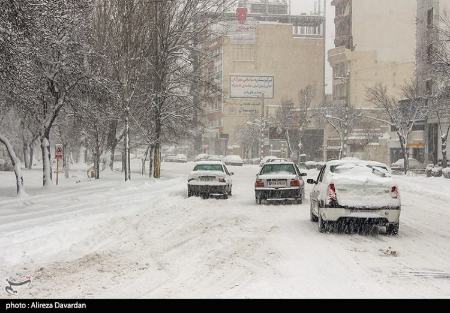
(170, 158)
(210, 178)
(201, 157)
(181, 158)
(414, 165)
(279, 181)
(355, 191)
(215, 158)
(233, 160)
(269, 159)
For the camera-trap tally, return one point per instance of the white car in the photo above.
(269, 159)
(181, 158)
(414, 165)
(355, 191)
(201, 157)
(280, 181)
(233, 160)
(210, 178)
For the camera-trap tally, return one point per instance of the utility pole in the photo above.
(261, 153)
(346, 116)
(324, 50)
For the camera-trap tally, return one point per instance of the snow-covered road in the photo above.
(146, 239)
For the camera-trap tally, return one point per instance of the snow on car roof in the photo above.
(209, 162)
(355, 161)
(279, 161)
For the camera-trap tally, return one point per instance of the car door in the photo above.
(227, 176)
(315, 195)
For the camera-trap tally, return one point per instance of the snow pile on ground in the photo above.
(146, 239)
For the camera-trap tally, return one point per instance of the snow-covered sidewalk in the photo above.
(147, 239)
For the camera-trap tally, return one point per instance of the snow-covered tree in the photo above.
(400, 115)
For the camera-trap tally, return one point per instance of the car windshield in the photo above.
(278, 168)
(209, 167)
(354, 169)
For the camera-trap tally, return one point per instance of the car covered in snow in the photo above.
(233, 160)
(210, 178)
(215, 158)
(269, 159)
(181, 158)
(355, 192)
(279, 181)
(414, 165)
(201, 157)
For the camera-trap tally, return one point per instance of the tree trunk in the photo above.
(444, 139)
(16, 164)
(127, 145)
(46, 165)
(157, 161)
(111, 157)
(25, 154)
(150, 161)
(31, 151)
(403, 142)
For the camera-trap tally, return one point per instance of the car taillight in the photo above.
(332, 192)
(259, 183)
(295, 183)
(222, 180)
(394, 192)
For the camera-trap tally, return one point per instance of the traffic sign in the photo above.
(59, 151)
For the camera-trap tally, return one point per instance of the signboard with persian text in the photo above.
(251, 86)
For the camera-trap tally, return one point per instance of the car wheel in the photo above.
(392, 229)
(313, 217)
(225, 196)
(230, 192)
(258, 200)
(322, 225)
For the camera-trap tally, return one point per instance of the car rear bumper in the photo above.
(381, 216)
(278, 194)
(208, 189)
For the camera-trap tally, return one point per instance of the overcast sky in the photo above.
(307, 6)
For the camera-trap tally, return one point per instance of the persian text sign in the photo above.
(251, 86)
(59, 151)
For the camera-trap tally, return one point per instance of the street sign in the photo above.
(59, 151)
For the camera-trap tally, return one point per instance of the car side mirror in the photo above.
(311, 182)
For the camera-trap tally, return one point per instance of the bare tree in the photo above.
(400, 115)
(175, 34)
(438, 57)
(342, 118)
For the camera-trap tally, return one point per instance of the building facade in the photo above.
(375, 43)
(432, 16)
(265, 57)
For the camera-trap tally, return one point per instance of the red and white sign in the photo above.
(59, 151)
(241, 15)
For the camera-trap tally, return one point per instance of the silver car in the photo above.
(280, 181)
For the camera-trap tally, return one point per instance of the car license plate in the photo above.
(277, 183)
(206, 178)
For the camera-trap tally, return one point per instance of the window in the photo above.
(321, 174)
(430, 17)
(209, 167)
(278, 168)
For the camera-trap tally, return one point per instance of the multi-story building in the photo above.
(374, 43)
(265, 57)
(432, 16)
